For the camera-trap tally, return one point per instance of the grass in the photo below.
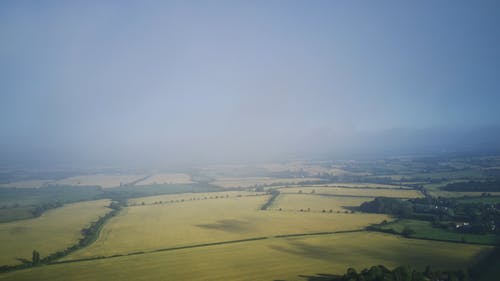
(227, 182)
(268, 259)
(366, 192)
(425, 230)
(166, 178)
(55, 230)
(103, 180)
(453, 194)
(481, 199)
(13, 214)
(149, 227)
(316, 203)
(25, 184)
(176, 198)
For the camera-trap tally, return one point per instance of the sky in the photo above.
(186, 81)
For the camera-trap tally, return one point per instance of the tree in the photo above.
(35, 257)
(407, 231)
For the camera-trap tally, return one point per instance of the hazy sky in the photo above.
(188, 80)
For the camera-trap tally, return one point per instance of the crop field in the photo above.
(227, 182)
(166, 178)
(269, 259)
(25, 184)
(181, 197)
(362, 192)
(316, 203)
(159, 226)
(103, 180)
(55, 230)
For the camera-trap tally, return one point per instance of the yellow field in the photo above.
(55, 230)
(150, 227)
(369, 192)
(176, 198)
(269, 259)
(103, 180)
(257, 181)
(166, 178)
(25, 184)
(316, 203)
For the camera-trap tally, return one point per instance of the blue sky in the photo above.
(195, 79)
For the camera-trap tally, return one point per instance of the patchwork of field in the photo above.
(152, 227)
(360, 192)
(270, 259)
(103, 180)
(227, 182)
(181, 197)
(25, 184)
(166, 178)
(316, 203)
(55, 230)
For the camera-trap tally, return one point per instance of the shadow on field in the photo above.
(227, 225)
(304, 250)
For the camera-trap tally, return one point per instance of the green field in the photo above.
(481, 199)
(181, 197)
(55, 230)
(316, 203)
(268, 259)
(150, 227)
(425, 230)
(363, 192)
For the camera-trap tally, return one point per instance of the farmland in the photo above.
(193, 222)
(316, 203)
(229, 182)
(266, 259)
(424, 229)
(166, 178)
(230, 223)
(103, 180)
(360, 192)
(54, 230)
(25, 184)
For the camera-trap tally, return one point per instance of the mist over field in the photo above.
(160, 83)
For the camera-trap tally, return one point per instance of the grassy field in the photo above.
(25, 184)
(166, 178)
(55, 230)
(368, 192)
(316, 203)
(13, 214)
(103, 180)
(181, 197)
(257, 181)
(269, 259)
(424, 229)
(363, 185)
(153, 227)
(454, 194)
(485, 200)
